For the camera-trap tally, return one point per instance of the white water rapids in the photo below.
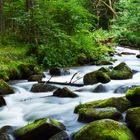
(24, 106)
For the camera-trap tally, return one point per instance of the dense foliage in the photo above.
(58, 32)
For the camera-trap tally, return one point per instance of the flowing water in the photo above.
(24, 106)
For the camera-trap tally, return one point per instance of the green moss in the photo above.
(133, 120)
(105, 129)
(120, 103)
(133, 95)
(121, 71)
(30, 127)
(92, 114)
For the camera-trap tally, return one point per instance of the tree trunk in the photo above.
(2, 23)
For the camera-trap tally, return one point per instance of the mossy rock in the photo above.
(93, 114)
(2, 101)
(4, 136)
(64, 92)
(105, 129)
(41, 129)
(121, 103)
(133, 95)
(121, 71)
(104, 62)
(36, 77)
(133, 120)
(42, 87)
(82, 59)
(94, 77)
(5, 88)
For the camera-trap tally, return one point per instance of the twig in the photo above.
(73, 77)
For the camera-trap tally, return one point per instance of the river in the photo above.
(24, 106)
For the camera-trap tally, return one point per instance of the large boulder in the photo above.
(41, 129)
(133, 120)
(121, 103)
(64, 92)
(121, 71)
(133, 95)
(93, 114)
(42, 87)
(105, 129)
(5, 88)
(2, 101)
(94, 77)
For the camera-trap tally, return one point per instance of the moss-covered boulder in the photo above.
(5, 88)
(64, 92)
(2, 101)
(133, 120)
(120, 103)
(94, 77)
(105, 129)
(42, 87)
(104, 62)
(133, 95)
(41, 129)
(82, 59)
(93, 114)
(60, 136)
(4, 136)
(121, 71)
(37, 77)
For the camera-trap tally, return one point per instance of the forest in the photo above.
(69, 69)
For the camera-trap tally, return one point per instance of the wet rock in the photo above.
(128, 53)
(27, 70)
(94, 77)
(138, 55)
(121, 71)
(93, 114)
(64, 92)
(41, 129)
(105, 129)
(42, 87)
(104, 62)
(120, 103)
(6, 129)
(55, 71)
(60, 136)
(4, 136)
(100, 88)
(133, 120)
(133, 95)
(2, 101)
(5, 88)
(124, 88)
(36, 77)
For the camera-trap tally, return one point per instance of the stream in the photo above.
(24, 106)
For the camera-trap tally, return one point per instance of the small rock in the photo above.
(5, 88)
(138, 55)
(36, 77)
(55, 71)
(64, 92)
(105, 129)
(2, 101)
(92, 114)
(42, 87)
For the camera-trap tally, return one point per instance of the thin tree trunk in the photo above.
(2, 23)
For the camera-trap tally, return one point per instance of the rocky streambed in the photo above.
(106, 107)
